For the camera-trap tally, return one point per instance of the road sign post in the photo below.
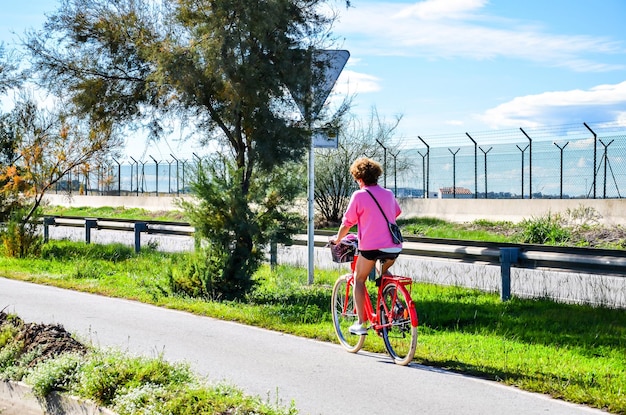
(310, 96)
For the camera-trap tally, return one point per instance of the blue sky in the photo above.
(456, 66)
(451, 66)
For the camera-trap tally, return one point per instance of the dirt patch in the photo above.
(596, 236)
(45, 340)
(602, 237)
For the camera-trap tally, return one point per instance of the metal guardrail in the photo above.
(128, 225)
(591, 260)
(506, 255)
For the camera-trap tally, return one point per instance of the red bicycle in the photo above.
(395, 318)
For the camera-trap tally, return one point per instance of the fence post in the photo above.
(47, 222)
(157, 175)
(561, 170)
(177, 173)
(530, 166)
(523, 150)
(139, 227)
(595, 152)
(508, 256)
(384, 162)
(454, 171)
(427, 166)
(89, 223)
(273, 255)
(119, 178)
(485, 153)
(475, 165)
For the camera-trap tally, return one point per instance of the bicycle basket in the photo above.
(345, 250)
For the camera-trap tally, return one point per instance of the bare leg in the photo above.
(362, 271)
(386, 264)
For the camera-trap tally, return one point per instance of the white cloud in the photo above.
(437, 9)
(421, 30)
(600, 103)
(579, 144)
(352, 82)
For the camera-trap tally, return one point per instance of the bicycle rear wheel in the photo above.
(344, 315)
(400, 336)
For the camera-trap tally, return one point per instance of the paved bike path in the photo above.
(320, 378)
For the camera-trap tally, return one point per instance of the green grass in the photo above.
(115, 213)
(479, 230)
(571, 352)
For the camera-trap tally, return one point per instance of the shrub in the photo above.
(56, 374)
(235, 218)
(547, 229)
(108, 373)
(20, 238)
(197, 278)
(9, 354)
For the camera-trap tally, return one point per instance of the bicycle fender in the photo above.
(412, 310)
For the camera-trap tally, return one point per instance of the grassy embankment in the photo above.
(571, 352)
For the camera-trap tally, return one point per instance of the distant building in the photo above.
(458, 193)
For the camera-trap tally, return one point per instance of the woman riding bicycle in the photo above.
(375, 240)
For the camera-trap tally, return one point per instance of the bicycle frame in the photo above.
(372, 316)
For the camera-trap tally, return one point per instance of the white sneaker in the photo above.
(358, 329)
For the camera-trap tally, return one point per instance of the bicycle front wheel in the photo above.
(399, 322)
(344, 315)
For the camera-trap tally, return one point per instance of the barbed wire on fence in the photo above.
(566, 161)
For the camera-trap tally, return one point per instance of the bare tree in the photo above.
(9, 75)
(333, 182)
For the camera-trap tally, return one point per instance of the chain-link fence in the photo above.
(560, 162)
(557, 162)
(135, 177)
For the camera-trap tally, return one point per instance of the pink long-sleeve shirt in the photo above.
(373, 232)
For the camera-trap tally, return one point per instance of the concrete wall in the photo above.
(152, 203)
(610, 211)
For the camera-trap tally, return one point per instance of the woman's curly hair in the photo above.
(367, 170)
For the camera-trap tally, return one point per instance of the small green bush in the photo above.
(194, 277)
(220, 399)
(58, 374)
(547, 229)
(9, 354)
(21, 239)
(106, 373)
(7, 334)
